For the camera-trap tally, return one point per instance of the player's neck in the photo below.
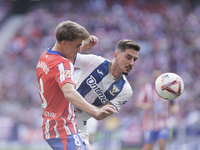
(57, 47)
(113, 71)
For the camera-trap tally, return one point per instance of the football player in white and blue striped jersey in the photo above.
(103, 82)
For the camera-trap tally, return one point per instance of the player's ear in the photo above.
(115, 55)
(63, 43)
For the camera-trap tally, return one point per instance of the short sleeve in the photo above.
(65, 73)
(123, 97)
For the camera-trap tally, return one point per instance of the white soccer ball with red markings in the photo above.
(169, 86)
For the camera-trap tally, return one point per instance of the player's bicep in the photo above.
(106, 115)
(67, 87)
(69, 92)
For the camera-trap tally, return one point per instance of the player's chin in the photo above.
(125, 73)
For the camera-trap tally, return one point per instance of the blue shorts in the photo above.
(73, 142)
(153, 136)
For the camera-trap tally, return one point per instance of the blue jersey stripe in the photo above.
(112, 92)
(94, 78)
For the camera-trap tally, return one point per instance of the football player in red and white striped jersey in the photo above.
(57, 88)
(156, 113)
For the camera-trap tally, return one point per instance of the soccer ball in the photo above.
(169, 86)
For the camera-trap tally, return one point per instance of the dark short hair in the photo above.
(124, 44)
(70, 31)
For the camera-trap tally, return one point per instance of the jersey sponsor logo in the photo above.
(114, 90)
(43, 66)
(99, 72)
(97, 89)
(67, 73)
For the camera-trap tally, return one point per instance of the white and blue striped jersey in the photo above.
(97, 85)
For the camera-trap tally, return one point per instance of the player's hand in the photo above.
(105, 111)
(86, 45)
(109, 109)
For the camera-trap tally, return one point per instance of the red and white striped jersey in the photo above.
(155, 118)
(53, 71)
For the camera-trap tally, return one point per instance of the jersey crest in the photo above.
(114, 90)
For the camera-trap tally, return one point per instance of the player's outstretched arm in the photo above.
(79, 102)
(89, 43)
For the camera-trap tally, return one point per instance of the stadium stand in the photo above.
(168, 32)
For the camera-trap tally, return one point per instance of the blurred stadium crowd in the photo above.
(169, 34)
